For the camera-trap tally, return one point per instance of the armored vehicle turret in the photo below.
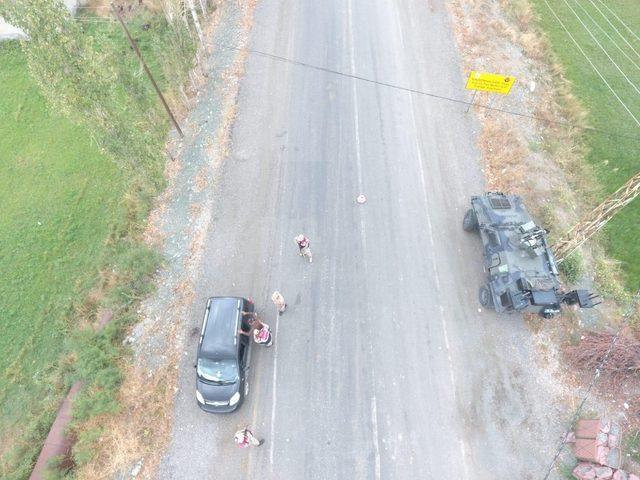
(522, 273)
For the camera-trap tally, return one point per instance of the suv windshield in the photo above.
(223, 372)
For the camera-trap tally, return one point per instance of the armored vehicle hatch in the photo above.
(522, 273)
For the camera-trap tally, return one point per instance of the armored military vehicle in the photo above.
(523, 275)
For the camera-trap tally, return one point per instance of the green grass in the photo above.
(632, 445)
(615, 159)
(59, 197)
(572, 267)
(68, 213)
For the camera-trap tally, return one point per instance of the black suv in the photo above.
(223, 355)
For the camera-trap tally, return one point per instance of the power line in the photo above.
(591, 63)
(607, 35)
(602, 48)
(624, 24)
(596, 375)
(615, 28)
(427, 94)
(95, 19)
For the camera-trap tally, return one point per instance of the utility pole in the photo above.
(597, 219)
(146, 69)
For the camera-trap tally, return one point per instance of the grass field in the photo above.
(608, 32)
(59, 197)
(61, 200)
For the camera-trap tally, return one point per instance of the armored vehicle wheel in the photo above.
(485, 297)
(470, 221)
(547, 314)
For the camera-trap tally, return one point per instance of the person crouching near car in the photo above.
(262, 336)
(261, 331)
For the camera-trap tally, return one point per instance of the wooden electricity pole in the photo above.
(146, 69)
(597, 219)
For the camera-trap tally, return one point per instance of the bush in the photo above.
(572, 268)
(607, 279)
(622, 361)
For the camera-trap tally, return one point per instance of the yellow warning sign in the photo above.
(490, 82)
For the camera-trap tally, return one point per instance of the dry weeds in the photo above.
(622, 361)
(140, 428)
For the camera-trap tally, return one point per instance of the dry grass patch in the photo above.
(138, 431)
(504, 156)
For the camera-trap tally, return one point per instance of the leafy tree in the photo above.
(86, 83)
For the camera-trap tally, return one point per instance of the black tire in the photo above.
(485, 297)
(547, 315)
(470, 221)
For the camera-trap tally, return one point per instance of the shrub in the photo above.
(572, 267)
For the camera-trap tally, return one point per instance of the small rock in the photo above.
(626, 405)
(620, 475)
(136, 469)
(614, 458)
(584, 471)
(604, 473)
(601, 438)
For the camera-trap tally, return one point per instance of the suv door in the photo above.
(244, 358)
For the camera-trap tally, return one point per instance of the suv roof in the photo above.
(220, 334)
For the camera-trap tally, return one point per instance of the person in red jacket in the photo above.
(245, 437)
(304, 247)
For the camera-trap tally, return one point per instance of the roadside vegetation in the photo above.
(56, 216)
(600, 27)
(82, 146)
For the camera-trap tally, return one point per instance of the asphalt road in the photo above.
(383, 367)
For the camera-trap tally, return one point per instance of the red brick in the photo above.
(586, 449)
(587, 428)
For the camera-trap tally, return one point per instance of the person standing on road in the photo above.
(279, 302)
(304, 247)
(245, 437)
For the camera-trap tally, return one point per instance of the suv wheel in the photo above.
(485, 297)
(470, 221)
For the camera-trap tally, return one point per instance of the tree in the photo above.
(83, 82)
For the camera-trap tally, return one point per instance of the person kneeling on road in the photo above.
(245, 438)
(278, 301)
(263, 335)
(261, 331)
